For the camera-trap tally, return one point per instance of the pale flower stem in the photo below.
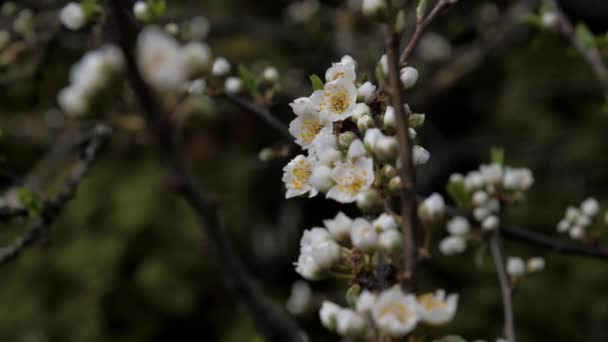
(409, 218)
(505, 287)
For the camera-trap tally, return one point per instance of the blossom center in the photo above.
(353, 181)
(335, 99)
(301, 173)
(429, 302)
(399, 310)
(310, 129)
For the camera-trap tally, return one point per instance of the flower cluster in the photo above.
(577, 221)
(88, 76)
(349, 145)
(390, 312)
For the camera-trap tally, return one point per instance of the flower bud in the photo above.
(390, 121)
(432, 208)
(458, 226)
(389, 171)
(221, 67)
(515, 266)
(550, 20)
(535, 264)
(409, 77)
(271, 74)
(326, 253)
(329, 315)
(590, 206)
(140, 9)
(267, 154)
(363, 235)
(72, 16)
(416, 120)
(339, 227)
(320, 178)
(390, 240)
(366, 92)
(364, 123)
(360, 110)
(452, 245)
(386, 148)
(373, 8)
(345, 139)
(577, 232)
(490, 223)
(480, 198)
(233, 85)
(420, 155)
(369, 200)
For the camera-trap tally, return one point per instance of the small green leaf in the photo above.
(249, 80)
(497, 155)
(352, 294)
(584, 34)
(421, 9)
(458, 193)
(30, 200)
(416, 120)
(316, 82)
(156, 8)
(89, 7)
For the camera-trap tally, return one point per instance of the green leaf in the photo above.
(458, 193)
(249, 81)
(156, 8)
(497, 155)
(316, 82)
(30, 200)
(584, 34)
(89, 7)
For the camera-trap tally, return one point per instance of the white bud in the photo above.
(413, 133)
(221, 67)
(515, 266)
(302, 106)
(140, 9)
(458, 226)
(365, 122)
(72, 100)
(233, 85)
(328, 314)
(549, 19)
(300, 298)
(372, 7)
(572, 214)
(196, 87)
(590, 206)
(197, 56)
(339, 227)
(432, 208)
(481, 213)
(577, 232)
(363, 235)
(384, 64)
(390, 121)
(372, 136)
(409, 77)
(480, 198)
(326, 253)
(535, 264)
(473, 181)
(452, 245)
(320, 178)
(307, 267)
(366, 92)
(490, 223)
(491, 174)
(72, 16)
(420, 155)
(390, 240)
(271, 74)
(360, 110)
(349, 323)
(365, 302)
(386, 148)
(385, 222)
(563, 226)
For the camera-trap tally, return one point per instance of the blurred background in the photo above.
(126, 261)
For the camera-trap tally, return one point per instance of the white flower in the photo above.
(221, 67)
(306, 127)
(349, 323)
(300, 298)
(345, 69)
(563, 226)
(296, 175)
(452, 245)
(473, 181)
(88, 74)
(320, 178)
(325, 148)
(360, 110)
(140, 9)
(339, 227)
(572, 214)
(233, 85)
(491, 174)
(326, 253)
(271, 74)
(72, 100)
(385, 222)
(363, 235)
(535, 264)
(160, 59)
(356, 150)
(395, 313)
(365, 302)
(577, 232)
(490, 223)
(312, 237)
(518, 179)
(302, 106)
(338, 99)
(384, 64)
(590, 206)
(371, 138)
(515, 266)
(366, 92)
(409, 77)
(351, 179)
(72, 16)
(307, 267)
(433, 207)
(458, 226)
(328, 314)
(372, 7)
(480, 197)
(197, 57)
(420, 155)
(390, 240)
(481, 213)
(436, 308)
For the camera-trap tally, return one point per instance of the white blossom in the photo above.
(221, 67)
(140, 9)
(480, 197)
(326, 253)
(296, 176)
(433, 207)
(473, 181)
(395, 313)
(338, 99)
(452, 245)
(518, 179)
(307, 267)
(385, 222)
(563, 226)
(515, 266)
(577, 232)
(300, 298)
(350, 323)
(344, 69)
(196, 87)
(490, 223)
(325, 148)
(329, 314)
(390, 120)
(351, 179)
(437, 308)
(160, 59)
(306, 127)
(271, 74)
(491, 174)
(390, 240)
(72, 100)
(366, 92)
(408, 76)
(386, 148)
(458, 226)
(365, 302)
(420, 155)
(535, 264)
(363, 235)
(72, 16)
(339, 227)
(302, 106)
(590, 206)
(572, 214)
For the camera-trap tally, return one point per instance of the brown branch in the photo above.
(590, 53)
(272, 322)
(51, 208)
(421, 26)
(505, 287)
(407, 172)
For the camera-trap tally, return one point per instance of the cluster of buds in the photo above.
(577, 221)
(517, 267)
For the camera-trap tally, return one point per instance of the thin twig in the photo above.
(421, 26)
(505, 287)
(407, 172)
(589, 52)
(272, 322)
(262, 112)
(51, 208)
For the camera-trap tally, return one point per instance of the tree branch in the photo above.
(272, 322)
(421, 26)
(590, 53)
(53, 207)
(505, 287)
